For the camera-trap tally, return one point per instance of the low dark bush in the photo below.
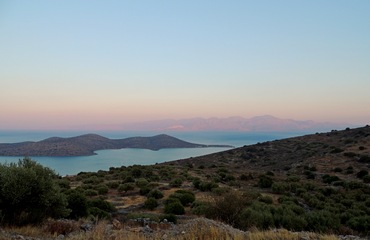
(174, 206)
(150, 203)
(155, 193)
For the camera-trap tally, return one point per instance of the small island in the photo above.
(86, 145)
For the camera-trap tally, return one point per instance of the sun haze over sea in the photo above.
(100, 64)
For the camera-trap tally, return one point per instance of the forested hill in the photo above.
(85, 145)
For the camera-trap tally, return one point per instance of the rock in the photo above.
(61, 236)
(87, 226)
(116, 224)
(147, 229)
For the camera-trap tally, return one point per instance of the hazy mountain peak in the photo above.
(265, 123)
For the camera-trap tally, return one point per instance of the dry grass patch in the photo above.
(284, 234)
(133, 200)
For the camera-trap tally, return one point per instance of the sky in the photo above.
(68, 64)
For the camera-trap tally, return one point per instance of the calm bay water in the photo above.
(126, 157)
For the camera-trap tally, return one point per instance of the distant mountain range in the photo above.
(85, 145)
(264, 123)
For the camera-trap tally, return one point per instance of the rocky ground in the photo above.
(197, 228)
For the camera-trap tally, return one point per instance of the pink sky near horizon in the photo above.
(71, 65)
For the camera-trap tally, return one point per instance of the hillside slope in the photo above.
(325, 151)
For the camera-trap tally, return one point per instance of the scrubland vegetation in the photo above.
(313, 185)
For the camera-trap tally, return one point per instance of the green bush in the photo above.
(174, 207)
(92, 180)
(185, 197)
(100, 204)
(142, 182)
(177, 182)
(201, 208)
(144, 190)
(257, 215)
(126, 187)
(364, 159)
(280, 187)
(207, 186)
(91, 192)
(113, 185)
(77, 203)
(329, 179)
(29, 193)
(150, 203)
(102, 189)
(196, 182)
(155, 193)
(97, 212)
(361, 224)
(228, 207)
(322, 221)
(362, 174)
(366, 179)
(265, 181)
(266, 199)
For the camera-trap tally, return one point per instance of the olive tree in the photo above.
(29, 193)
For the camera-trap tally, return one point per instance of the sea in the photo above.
(104, 159)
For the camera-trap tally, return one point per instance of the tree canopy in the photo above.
(29, 193)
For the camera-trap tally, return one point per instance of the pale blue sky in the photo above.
(70, 63)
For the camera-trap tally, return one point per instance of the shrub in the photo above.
(155, 193)
(126, 187)
(228, 207)
(258, 215)
(366, 179)
(329, 179)
(349, 154)
(97, 212)
(322, 221)
(280, 187)
(196, 182)
(265, 181)
(136, 171)
(185, 197)
(336, 150)
(113, 185)
(362, 174)
(92, 180)
(91, 192)
(364, 159)
(144, 190)
(174, 207)
(266, 199)
(177, 182)
(201, 208)
(63, 184)
(150, 203)
(361, 224)
(245, 177)
(77, 203)
(58, 227)
(142, 182)
(100, 204)
(207, 186)
(102, 189)
(29, 193)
